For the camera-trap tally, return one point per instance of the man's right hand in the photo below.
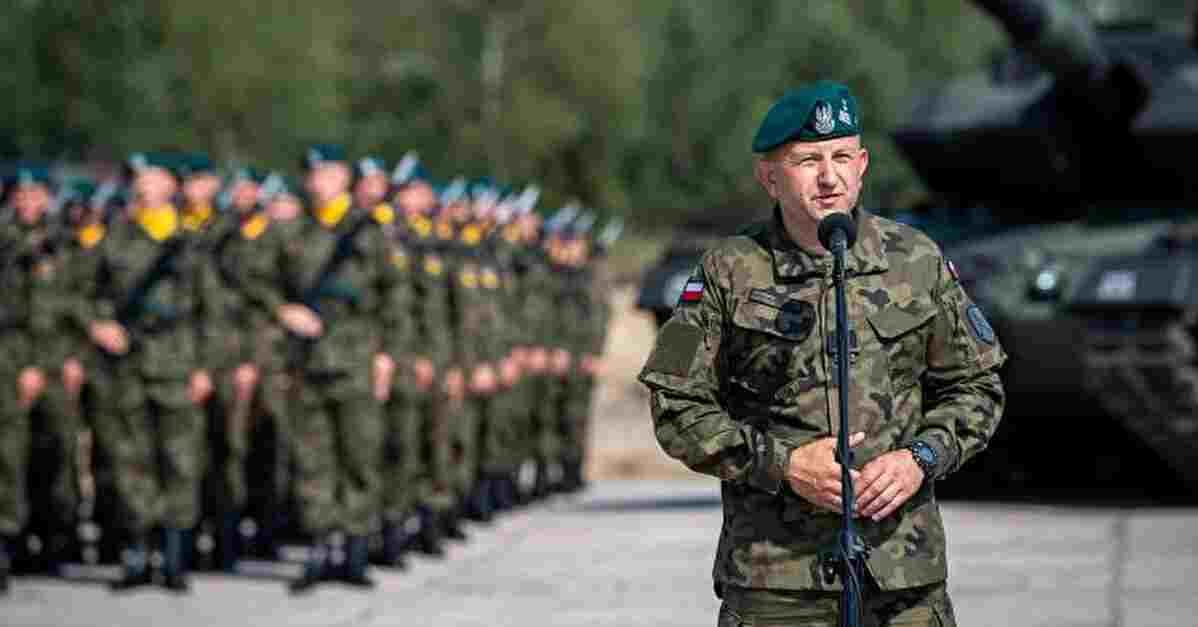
(455, 384)
(424, 372)
(814, 474)
(110, 336)
(300, 320)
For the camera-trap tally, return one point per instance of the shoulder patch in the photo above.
(979, 325)
(676, 348)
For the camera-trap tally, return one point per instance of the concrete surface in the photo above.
(639, 553)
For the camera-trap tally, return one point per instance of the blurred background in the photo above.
(996, 142)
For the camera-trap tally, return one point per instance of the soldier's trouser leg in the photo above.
(14, 457)
(574, 419)
(401, 467)
(52, 487)
(272, 446)
(125, 431)
(466, 435)
(359, 420)
(314, 450)
(180, 440)
(928, 606)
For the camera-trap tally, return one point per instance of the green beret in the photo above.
(31, 174)
(195, 163)
(815, 112)
(139, 161)
(318, 154)
(247, 173)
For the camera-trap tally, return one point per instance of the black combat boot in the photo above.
(135, 566)
(5, 564)
(428, 538)
(174, 560)
(395, 544)
(228, 542)
(451, 524)
(477, 505)
(316, 568)
(572, 480)
(541, 485)
(504, 492)
(357, 563)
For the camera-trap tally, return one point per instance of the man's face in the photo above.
(416, 199)
(284, 208)
(327, 180)
(30, 201)
(154, 187)
(813, 179)
(245, 195)
(370, 190)
(200, 189)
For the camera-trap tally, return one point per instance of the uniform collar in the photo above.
(791, 262)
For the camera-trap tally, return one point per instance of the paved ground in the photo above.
(639, 553)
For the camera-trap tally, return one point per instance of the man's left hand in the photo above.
(886, 483)
(199, 388)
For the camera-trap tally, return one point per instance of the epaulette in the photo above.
(757, 231)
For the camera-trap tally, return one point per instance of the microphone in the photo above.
(837, 228)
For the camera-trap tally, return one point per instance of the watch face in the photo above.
(924, 453)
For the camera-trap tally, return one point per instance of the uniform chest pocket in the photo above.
(770, 346)
(902, 330)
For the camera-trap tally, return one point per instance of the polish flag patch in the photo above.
(693, 292)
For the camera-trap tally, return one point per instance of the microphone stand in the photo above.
(850, 551)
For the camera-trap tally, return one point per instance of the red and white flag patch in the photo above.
(693, 292)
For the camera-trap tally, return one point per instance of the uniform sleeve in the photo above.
(691, 425)
(963, 395)
(395, 302)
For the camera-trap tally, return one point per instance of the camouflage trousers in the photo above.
(433, 446)
(154, 436)
(502, 430)
(404, 474)
(927, 606)
(467, 431)
(37, 458)
(236, 433)
(337, 445)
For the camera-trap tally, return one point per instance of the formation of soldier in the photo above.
(201, 368)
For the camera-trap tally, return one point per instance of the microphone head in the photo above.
(837, 222)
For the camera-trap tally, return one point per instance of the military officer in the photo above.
(741, 386)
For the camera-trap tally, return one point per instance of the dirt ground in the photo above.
(622, 445)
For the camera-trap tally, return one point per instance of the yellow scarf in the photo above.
(383, 214)
(330, 214)
(195, 218)
(91, 234)
(421, 225)
(159, 222)
(253, 228)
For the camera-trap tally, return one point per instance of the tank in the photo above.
(1079, 130)
(1139, 335)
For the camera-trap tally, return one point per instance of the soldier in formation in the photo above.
(201, 367)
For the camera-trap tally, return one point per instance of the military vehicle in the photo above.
(1080, 129)
(1139, 335)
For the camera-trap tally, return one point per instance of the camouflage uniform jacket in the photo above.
(741, 375)
(34, 310)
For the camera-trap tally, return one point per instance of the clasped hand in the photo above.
(881, 486)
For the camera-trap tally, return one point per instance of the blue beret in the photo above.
(815, 112)
(367, 166)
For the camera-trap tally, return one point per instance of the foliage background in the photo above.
(637, 107)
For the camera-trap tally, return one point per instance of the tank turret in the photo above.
(1075, 114)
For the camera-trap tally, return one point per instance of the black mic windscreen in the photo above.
(837, 222)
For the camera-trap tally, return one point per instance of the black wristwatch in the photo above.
(925, 456)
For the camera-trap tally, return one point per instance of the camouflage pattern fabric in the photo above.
(926, 606)
(743, 375)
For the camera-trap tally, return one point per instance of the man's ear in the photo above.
(763, 170)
